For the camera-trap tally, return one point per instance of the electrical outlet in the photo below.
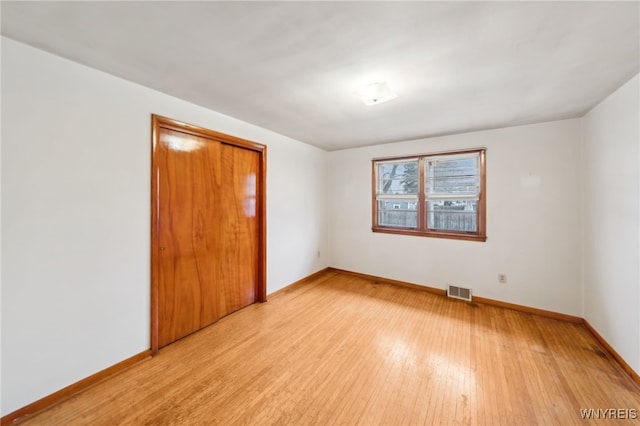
(502, 278)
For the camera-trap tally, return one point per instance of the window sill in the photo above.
(432, 234)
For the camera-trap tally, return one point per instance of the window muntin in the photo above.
(440, 195)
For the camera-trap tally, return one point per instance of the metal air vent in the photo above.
(459, 292)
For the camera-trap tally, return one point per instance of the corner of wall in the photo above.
(583, 170)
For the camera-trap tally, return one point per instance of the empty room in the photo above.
(320, 213)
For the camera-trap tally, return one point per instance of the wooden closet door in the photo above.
(207, 236)
(239, 229)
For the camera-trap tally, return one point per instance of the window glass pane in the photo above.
(452, 176)
(398, 177)
(453, 215)
(398, 213)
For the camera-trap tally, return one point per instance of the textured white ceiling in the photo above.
(293, 67)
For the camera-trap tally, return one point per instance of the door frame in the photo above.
(157, 123)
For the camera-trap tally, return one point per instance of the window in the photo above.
(437, 195)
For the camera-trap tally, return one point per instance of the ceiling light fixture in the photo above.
(377, 93)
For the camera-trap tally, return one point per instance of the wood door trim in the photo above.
(159, 122)
(178, 126)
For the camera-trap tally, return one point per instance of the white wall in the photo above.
(76, 217)
(612, 220)
(533, 219)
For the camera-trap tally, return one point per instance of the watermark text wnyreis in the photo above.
(609, 413)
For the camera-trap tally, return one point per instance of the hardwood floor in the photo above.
(343, 350)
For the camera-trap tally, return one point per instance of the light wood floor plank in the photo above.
(346, 350)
